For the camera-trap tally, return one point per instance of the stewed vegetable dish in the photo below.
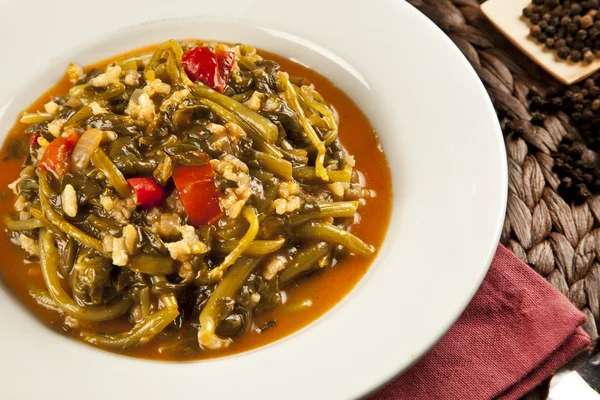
(190, 200)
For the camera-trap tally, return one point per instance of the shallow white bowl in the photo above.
(443, 143)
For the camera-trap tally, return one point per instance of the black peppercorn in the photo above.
(565, 21)
(595, 105)
(577, 45)
(550, 30)
(560, 43)
(594, 91)
(564, 52)
(587, 114)
(577, 97)
(569, 41)
(554, 21)
(586, 21)
(550, 43)
(581, 34)
(571, 28)
(588, 83)
(542, 38)
(575, 9)
(588, 56)
(535, 31)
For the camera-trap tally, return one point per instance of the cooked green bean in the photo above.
(250, 214)
(327, 210)
(36, 118)
(134, 62)
(40, 216)
(152, 265)
(145, 302)
(307, 94)
(80, 116)
(278, 166)
(175, 49)
(333, 234)
(262, 125)
(234, 229)
(21, 225)
(212, 314)
(49, 264)
(256, 248)
(140, 334)
(304, 261)
(104, 224)
(309, 175)
(114, 176)
(87, 93)
(143, 331)
(292, 98)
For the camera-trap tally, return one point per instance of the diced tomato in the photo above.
(147, 192)
(213, 68)
(57, 155)
(198, 193)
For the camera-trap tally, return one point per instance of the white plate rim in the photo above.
(499, 213)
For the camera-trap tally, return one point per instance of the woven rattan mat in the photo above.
(557, 236)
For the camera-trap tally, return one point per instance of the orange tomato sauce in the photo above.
(306, 300)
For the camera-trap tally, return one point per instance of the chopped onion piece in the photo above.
(85, 148)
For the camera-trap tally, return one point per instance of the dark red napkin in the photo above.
(516, 332)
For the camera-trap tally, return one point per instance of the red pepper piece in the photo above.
(213, 68)
(147, 192)
(57, 155)
(198, 193)
(225, 59)
(200, 64)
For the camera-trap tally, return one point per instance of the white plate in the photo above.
(444, 146)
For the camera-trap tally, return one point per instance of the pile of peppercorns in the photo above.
(579, 175)
(570, 27)
(581, 102)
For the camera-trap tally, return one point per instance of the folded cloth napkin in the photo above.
(516, 332)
